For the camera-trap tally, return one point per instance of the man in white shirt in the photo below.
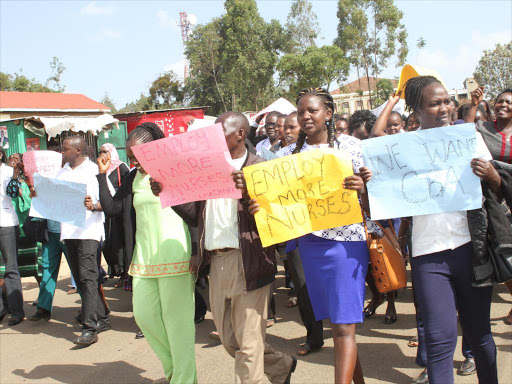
(82, 242)
(270, 129)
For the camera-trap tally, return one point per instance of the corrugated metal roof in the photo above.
(41, 101)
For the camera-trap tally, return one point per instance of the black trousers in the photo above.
(12, 300)
(84, 266)
(314, 328)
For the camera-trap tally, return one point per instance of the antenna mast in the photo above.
(184, 23)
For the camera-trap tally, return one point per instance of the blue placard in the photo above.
(422, 172)
(59, 200)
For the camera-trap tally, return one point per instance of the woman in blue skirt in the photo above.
(335, 260)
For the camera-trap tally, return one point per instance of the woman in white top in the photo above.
(9, 233)
(442, 260)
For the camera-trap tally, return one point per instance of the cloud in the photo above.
(104, 35)
(92, 9)
(178, 68)
(458, 64)
(166, 22)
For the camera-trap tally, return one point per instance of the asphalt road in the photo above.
(44, 352)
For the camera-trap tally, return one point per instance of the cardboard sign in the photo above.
(45, 163)
(422, 172)
(192, 166)
(302, 193)
(59, 200)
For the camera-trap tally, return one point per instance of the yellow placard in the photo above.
(302, 193)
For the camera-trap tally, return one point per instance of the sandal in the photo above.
(508, 319)
(271, 322)
(306, 349)
(292, 302)
(389, 319)
(413, 342)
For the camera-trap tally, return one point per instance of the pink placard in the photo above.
(191, 166)
(46, 163)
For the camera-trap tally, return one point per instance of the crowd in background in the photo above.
(156, 251)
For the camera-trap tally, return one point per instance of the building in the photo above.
(36, 120)
(464, 94)
(14, 105)
(355, 96)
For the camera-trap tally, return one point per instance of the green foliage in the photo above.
(20, 83)
(233, 59)
(142, 104)
(384, 90)
(316, 67)
(422, 43)
(494, 70)
(166, 91)
(106, 100)
(368, 30)
(302, 26)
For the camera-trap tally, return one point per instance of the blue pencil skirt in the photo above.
(335, 276)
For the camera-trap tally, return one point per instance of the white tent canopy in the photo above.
(400, 108)
(56, 125)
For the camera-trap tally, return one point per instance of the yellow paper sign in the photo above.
(302, 193)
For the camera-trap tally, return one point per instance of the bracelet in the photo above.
(93, 208)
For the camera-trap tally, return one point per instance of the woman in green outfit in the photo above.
(159, 240)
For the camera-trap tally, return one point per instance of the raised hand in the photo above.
(103, 162)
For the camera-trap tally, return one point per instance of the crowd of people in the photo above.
(162, 253)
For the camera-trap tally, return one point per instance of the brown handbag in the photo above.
(386, 261)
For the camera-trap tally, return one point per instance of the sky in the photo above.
(120, 47)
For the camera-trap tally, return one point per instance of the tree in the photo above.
(316, 67)
(205, 83)
(20, 83)
(384, 90)
(166, 91)
(57, 69)
(494, 70)
(421, 43)
(302, 25)
(142, 104)
(249, 54)
(368, 31)
(108, 102)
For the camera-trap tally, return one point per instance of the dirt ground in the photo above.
(44, 352)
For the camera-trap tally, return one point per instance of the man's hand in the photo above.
(103, 162)
(156, 187)
(239, 179)
(89, 205)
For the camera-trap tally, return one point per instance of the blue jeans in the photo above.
(12, 300)
(442, 282)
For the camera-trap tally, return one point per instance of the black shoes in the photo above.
(103, 325)
(422, 378)
(467, 368)
(86, 338)
(15, 321)
(139, 335)
(292, 369)
(40, 315)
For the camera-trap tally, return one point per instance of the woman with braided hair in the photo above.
(159, 241)
(445, 260)
(335, 260)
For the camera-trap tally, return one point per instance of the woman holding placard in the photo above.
(443, 258)
(163, 286)
(335, 260)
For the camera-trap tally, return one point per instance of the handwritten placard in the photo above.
(192, 166)
(59, 200)
(46, 163)
(422, 172)
(302, 193)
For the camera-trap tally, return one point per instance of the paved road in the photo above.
(44, 353)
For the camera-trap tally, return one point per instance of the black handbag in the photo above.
(36, 229)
